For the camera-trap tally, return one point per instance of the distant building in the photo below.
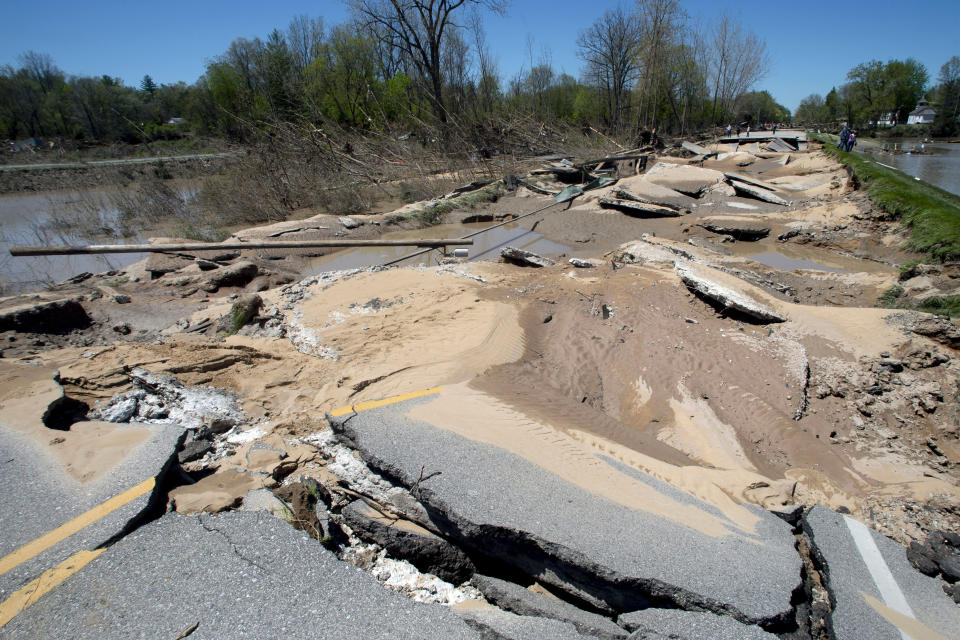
(923, 114)
(176, 121)
(887, 119)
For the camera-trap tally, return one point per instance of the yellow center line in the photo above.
(49, 579)
(64, 531)
(373, 404)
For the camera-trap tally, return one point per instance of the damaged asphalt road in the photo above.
(631, 448)
(500, 505)
(236, 575)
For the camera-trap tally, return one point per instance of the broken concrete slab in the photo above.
(758, 193)
(639, 209)
(705, 283)
(525, 258)
(779, 144)
(348, 222)
(514, 598)
(639, 252)
(623, 194)
(748, 180)
(504, 508)
(653, 193)
(235, 575)
(408, 541)
(494, 623)
(673, 624)
(875, 592)
(739, 229)
(585, 264)
(45, 316)
(696, 148)
(683, 178)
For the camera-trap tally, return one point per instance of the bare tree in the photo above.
(739, 60)
(40, 67)
(609, 47)
(419, 28)
(661, 24)
(488, 77)
(304, 38)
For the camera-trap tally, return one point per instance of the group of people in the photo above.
(848, 138)
(763, 127)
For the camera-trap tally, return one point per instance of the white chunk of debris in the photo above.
(404, 578)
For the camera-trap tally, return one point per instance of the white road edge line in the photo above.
(889, 589)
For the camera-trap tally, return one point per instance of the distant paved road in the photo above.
(121, 161)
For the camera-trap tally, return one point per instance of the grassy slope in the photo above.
(932, 214)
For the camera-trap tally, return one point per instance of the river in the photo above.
(56, 218)
(939, 164)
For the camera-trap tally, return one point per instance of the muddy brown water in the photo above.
(938, 163)
(789, 257)
(51, 219)
(486, 246)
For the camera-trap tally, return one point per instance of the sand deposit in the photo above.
(838, 404)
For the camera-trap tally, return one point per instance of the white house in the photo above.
(923, 114)
(888, 119)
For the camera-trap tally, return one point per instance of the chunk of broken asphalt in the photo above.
(664, 624)
(513, 597)
(407, 541)
(867, 576)
(525, 516)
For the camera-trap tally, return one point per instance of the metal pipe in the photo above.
(222, 246)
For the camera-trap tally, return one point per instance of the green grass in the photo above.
(931, 213)
(893, 298)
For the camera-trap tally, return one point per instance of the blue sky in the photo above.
(812, 44)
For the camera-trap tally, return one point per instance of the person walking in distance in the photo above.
(851, 140)
(844, 136)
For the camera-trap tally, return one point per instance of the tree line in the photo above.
(410, 64)
(886, 92)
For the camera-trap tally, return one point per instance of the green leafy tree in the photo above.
(147, 85)
(946, 122)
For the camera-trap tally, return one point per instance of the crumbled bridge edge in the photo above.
(522, 558)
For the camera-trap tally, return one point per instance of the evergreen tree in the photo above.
(148, 85)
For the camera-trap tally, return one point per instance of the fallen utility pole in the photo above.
(221, 246)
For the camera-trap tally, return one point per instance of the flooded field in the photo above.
(53, 219)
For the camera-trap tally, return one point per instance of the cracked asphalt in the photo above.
(234, 575)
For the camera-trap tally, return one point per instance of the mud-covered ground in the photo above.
(836, 402)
